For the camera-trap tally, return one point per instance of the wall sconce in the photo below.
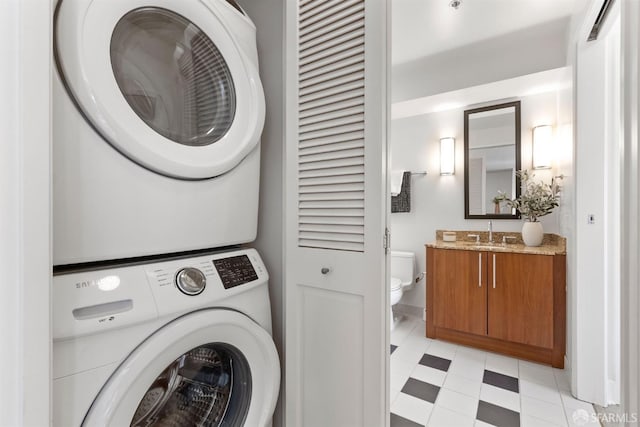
(447, 156)
(542, 141)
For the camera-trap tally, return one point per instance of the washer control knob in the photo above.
(191, 281)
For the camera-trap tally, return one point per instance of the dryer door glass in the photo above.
(207, 386)
(173, 76)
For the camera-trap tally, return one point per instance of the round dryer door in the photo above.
(173, 86)
(208, 368)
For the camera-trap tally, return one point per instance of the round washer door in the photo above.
(167, 85)
(210, 367)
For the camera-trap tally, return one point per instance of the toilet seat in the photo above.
(395, 284)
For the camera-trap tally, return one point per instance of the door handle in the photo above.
(480, 269)
(324, 270)
(494, 271)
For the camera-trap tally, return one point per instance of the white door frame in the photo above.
(25, 259)
(630, 271)
(595, 364)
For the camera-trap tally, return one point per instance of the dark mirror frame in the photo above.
(515, 104)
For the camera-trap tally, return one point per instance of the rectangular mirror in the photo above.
(491, 159)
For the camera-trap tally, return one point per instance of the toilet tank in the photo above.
(403, 266)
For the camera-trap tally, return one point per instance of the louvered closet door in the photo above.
(336, 298)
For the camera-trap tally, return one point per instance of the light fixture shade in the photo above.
(542, 145)
(447, 156)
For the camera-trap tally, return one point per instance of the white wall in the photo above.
(516, 54)
(268, 17)
(437, 202)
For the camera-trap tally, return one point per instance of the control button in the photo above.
(191, 281)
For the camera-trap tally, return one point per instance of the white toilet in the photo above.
(402, 276)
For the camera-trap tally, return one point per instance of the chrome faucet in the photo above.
(490, 232)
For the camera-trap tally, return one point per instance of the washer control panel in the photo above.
(235, 271)
(86, 302)
(218, 273)
(191, 281)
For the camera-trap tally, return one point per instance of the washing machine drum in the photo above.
(169, 84)
(208, 368)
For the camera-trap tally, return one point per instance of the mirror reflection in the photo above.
(492, 157)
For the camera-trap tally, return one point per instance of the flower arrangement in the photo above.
(537, 198)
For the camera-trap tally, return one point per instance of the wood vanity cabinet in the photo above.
(462, 303)
(506, 302)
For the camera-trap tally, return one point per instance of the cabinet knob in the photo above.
(324, 270)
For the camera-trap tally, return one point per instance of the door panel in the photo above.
(335, 213)
(328, 357)
(461, 291)
(520, 299)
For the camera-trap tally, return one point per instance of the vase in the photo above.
(532, 233)
(496, 208)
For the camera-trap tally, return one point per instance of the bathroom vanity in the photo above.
(502, 297)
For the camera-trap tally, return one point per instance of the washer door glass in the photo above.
(173, 76)
(212, 367)
(207, 386)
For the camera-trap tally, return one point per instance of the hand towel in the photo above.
(396, 182)
(402, 202)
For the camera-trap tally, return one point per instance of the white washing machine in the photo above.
(157, 115)
(178, 342)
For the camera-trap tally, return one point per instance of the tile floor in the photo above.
(439, 384)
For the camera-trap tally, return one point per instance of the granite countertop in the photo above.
(552, 244)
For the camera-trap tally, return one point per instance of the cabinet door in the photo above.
(460, 291)
(520, 298)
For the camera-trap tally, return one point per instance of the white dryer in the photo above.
(178, 342)
(157, 115)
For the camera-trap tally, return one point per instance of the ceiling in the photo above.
(477, 96)
(425, 27)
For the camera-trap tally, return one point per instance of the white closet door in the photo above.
(336, 298)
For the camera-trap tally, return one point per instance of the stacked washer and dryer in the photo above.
(160, 318)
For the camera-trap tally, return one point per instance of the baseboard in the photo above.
(409, 310)
(612, 416)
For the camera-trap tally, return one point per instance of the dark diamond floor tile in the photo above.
(500, 380)
(435, 362)
(398, 421)
(497, 415)
(393, 348)
(421, 390)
